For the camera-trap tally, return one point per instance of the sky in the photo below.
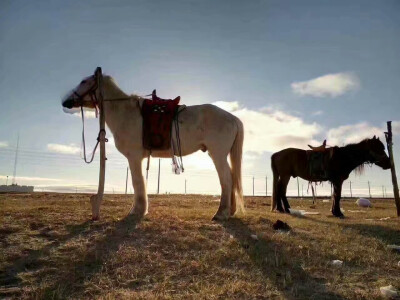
(295, 72)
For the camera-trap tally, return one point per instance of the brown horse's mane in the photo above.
(359, 170)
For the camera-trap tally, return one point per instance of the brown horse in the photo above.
(336, 164)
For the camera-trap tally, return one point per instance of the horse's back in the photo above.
(207, 126)
(290, 161)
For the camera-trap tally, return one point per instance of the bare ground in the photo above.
(49, 250)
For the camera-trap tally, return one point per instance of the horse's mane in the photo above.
(359, 170)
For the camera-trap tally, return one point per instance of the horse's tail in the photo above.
(236, 167)
(275, 182)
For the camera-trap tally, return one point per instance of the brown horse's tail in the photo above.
(275, 182)
(236, 169)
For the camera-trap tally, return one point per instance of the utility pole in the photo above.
(7, 181)
(369, 189)
(126, 181)
(158, 184)
(389, 142)
(185, 186)
(298, 188)
(383, 191)
(253, 185)
(351, 192)
(266, 185)
(15, 162)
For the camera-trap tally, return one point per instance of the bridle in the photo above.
(97, 103)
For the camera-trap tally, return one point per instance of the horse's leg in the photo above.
(225, 178)
(140, 206)
(337, 193)
(284, 183)
(279, 195)
(275, 186)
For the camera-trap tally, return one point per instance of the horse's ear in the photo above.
(97, 71)
(374, 138)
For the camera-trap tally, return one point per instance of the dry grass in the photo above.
(50, 251)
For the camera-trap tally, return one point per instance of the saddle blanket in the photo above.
(318, 164)
(158, 116)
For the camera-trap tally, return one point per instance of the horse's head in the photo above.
(377, 154)
(84, 94)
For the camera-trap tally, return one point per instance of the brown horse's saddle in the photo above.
(321, 148)
(158, 115)
(318, 161)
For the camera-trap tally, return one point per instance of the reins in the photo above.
(98, 105)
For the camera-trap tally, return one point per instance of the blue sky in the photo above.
(257, 58)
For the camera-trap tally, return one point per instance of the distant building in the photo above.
(15, 188)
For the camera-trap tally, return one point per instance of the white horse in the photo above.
(201, 127)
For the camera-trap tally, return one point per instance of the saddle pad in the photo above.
(157, 123)
(318, 164)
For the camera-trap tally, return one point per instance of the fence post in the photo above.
(389, 142)
(351, 192)
(369, 190)
(253, 185)
(126, 181)
(266, 186)
(158, 184)
(298, 188)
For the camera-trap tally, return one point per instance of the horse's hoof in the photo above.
(95, 218)
(287, 211)
(338, 215)
(218, 217)
(138, 213)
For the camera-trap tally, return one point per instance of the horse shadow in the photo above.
(273, 260)
(95, 256)
(34, 259)
(385, 234)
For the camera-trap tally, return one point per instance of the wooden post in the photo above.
(313, 194)
(253, 185)
(351, 192)
(266, 185)
(158, 184)
(298, 188)
(389, 142)
(369, 190)
(96, 200)
(126, 181)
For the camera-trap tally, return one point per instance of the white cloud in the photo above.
(330, 85)
(270, 130)
(3, 144)
(64, 149)
(88, 112)
(228, 106)
(352, 133)
(395, 127)
(21, 178)
(317, 113)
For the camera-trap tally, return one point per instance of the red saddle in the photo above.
(158, 115)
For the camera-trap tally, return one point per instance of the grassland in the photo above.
(49, 250)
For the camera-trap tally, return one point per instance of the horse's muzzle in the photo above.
(69, 103)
